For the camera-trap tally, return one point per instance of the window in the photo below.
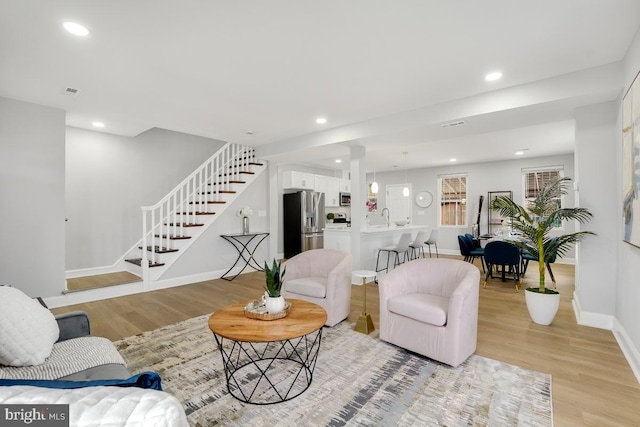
(452, 191)
(534, 179)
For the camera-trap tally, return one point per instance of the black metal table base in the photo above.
(245, 249)
(269, 372)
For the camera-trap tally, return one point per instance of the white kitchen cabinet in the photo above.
(345, 186)
(298, 180)
(332, 195)
(321, 183)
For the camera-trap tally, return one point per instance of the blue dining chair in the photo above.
(502, 255)
(469, 251)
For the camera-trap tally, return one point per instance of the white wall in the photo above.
(32, 225)
(481, 178)
(108, 179)
(627, 321)
(596, 141)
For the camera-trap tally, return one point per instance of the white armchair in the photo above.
(323, 277)
(430, 306)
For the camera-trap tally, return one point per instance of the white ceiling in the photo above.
(385, 74)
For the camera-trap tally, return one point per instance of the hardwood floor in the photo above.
(101, 280)
(593, 384)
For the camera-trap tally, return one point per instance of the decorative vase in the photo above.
(273, 304)
(245, 225)
(542, 307)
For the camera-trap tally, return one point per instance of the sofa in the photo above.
(430, 306)
(46, 359)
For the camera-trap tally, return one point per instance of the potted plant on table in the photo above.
(535, 224)
(274, 302)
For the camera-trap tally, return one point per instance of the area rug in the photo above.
(359, 380)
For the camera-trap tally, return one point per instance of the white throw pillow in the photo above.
(27, 329)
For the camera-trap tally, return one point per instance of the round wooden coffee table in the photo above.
(268, 361)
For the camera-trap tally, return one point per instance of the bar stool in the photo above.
(400, 248)
(433, 240)
(417, 247)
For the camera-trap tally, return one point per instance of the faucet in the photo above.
(387, 215)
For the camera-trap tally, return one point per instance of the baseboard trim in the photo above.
(587, 318)
(89, 295)
(97, 294)
(629, 350)
(82, 272)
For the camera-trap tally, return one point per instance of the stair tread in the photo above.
(197, 213)
(249, 164)
(138, 262)
(160, 250)
(240, 172)
(228, 182)
(218, 192)
(209, 202)
(172, 237)
(171, 224)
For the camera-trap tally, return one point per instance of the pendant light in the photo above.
(405, 190)
(374, 184)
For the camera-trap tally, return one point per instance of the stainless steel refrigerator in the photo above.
(303, 222)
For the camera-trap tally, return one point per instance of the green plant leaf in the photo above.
(274, 278)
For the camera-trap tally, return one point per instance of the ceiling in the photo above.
(386, 75)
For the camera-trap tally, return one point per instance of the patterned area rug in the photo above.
(358, 380)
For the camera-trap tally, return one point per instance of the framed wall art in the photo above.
(631, 163)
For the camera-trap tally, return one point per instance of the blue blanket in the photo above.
(146, 379)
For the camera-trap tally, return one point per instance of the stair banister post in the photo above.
(177, 224)
(232, 163)
(145, 260)
(199, 191)
(152, 238)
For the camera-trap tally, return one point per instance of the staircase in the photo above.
(172, 225)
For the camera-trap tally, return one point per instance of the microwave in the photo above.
(345, 199)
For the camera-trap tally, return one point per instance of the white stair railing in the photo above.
(179, 208)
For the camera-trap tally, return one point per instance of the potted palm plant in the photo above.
(535, 224)
(274, 302)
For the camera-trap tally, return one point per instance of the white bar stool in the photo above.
(417, 247)
(400, 248)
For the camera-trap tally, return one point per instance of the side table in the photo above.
(365, 324)
(246, 245)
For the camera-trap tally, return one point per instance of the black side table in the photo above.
(246, 245)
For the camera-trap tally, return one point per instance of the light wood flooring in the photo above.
(101, 280)
(593, 384)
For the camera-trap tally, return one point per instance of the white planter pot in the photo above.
(274, 304)
(542, 307)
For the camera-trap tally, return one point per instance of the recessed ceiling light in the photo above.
(321, 120)
(98, 124)
(338, 161)
(491, 77)
(76, 29)
(453, 160)
(519, 153)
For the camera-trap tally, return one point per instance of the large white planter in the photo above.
(542, 307)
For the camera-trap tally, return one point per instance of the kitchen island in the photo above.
(371, 237)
